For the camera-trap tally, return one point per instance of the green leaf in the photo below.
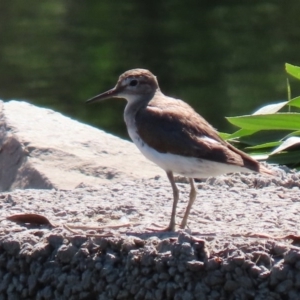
(264, 136)
(294, 102)
(274, 108)
(294, 133)
(283, 121)
(265, 145)
(240, 133)
(285, 158)
(224, 135)
(292, 141)
(293, 70)
(270, 109)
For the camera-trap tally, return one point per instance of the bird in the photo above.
(170, 133)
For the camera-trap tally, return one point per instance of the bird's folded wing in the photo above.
(184, 132)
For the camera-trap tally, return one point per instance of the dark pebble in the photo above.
(65, 253)
(292, 256)
(284, 286)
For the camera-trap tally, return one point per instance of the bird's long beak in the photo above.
(108, 94)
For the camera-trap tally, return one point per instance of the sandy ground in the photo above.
(227, 208)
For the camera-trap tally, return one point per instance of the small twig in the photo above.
(268, 236)
(68, 228)
(107, 234)
(98, 227)
(102, 235)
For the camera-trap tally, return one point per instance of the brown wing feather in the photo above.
(174, 127)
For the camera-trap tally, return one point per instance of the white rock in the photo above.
(40, 148)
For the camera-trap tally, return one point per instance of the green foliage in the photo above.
(293, 70)
(269, 134)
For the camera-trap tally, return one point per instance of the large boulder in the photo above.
(40, 148)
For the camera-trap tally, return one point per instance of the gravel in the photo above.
(242, 241)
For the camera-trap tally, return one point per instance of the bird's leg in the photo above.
(193, 194)
(171, 226)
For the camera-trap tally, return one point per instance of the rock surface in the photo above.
(41, 148)
(242, 241)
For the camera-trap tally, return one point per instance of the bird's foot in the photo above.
(182, 226)
(183, 223)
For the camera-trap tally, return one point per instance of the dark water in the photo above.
(223, 57)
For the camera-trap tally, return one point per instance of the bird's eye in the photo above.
(133, 82)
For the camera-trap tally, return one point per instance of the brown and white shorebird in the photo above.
(174, 136)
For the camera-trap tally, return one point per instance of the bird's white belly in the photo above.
(186, 166)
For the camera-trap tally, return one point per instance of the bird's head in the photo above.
(132, 85)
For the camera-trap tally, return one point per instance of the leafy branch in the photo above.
(268, 134)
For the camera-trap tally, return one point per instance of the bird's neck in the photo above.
(135, 103)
